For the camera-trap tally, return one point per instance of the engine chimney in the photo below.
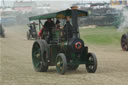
(74, 21)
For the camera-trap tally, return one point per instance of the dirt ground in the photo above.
(16, 66)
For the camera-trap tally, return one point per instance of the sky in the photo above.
(61, 0)
(55, 0)
(56, 3)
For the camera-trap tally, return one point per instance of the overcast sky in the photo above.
(61, 0)
(56, 2)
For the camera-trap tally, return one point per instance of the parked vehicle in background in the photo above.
(32, 32)
(1, 31)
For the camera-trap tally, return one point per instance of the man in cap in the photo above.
(49, 25)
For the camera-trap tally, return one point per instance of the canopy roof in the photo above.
(60, 15)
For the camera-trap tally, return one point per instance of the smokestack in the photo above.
(75, 21)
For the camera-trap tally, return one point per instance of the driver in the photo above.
(32, 26)
(68, 28)
(49, 24)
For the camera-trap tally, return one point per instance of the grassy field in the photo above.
(101, 35)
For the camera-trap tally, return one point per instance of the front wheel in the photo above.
(61, 63)
(91, 65)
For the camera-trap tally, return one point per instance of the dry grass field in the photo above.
(16, 66)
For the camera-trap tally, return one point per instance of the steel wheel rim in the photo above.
(124, 43)
(91, 63)
(36, 56)
(59, 64)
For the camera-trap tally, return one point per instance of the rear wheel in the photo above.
(39, 56)
(61, 63)
(91, 66)
(124, 42)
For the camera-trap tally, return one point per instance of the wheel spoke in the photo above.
(61, 68)
(36, 55)
(91, 67)
(60, 63)
(37, 64)
(91, 60)
(126, 46)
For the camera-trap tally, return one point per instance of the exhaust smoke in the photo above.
(124, 20)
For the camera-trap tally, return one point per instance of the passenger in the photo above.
(40, 34)
(68, 28)
(57, 24)
(49, 25)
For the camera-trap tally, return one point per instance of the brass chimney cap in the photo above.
(74, 7)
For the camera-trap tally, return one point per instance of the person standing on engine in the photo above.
(68, 29)
(49, 25)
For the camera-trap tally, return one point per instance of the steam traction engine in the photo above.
(65, 54)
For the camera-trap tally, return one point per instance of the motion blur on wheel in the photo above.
(64, 49)
(2, 31)
(32, 32)
(124, 42)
